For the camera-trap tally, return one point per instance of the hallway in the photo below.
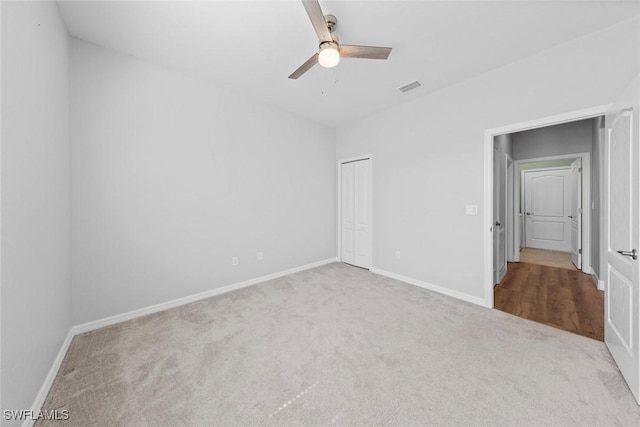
(559, 297)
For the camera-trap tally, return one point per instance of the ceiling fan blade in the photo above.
(305, 67)
(367, 52)
(317, 20)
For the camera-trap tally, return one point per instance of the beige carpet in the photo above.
(338, 345)
(549, 258)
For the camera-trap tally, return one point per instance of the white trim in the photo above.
(602, 143)
(513, 255)
(489, 134)
(572, 116)
(51, 376)
(431, 287)
(339, 206)
(111, 320)
(118, 318)
(596, 280)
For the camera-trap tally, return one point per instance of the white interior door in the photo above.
(622, 217)
(575, 216)
(511, 227)
(356, 213)
(499, 208)
(547, 205)
(348, 214)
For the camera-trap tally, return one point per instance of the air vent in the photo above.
(410, 86)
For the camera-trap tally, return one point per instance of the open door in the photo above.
(576, 213)
(355, 213)
(499, 208)
(622, 217)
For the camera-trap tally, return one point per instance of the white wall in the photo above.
(566, 138)
(36, 313)
(171, 178)
(429, 158)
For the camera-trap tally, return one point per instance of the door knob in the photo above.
(529, 213)
(632, 253)
(498, 224)
(569, 216)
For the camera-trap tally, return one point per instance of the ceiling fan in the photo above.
(330, 50)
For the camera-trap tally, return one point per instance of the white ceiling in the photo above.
(252, 47)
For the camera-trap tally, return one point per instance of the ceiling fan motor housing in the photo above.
(331, 21)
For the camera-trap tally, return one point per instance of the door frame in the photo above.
(489, 134)
(339, 205)
(586, 199)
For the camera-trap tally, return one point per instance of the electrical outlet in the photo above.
(259, 256)
(234, 261)
(471, 209)
(397, 254)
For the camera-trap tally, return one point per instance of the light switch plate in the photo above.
(471, 209)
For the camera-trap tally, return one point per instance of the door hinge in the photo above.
(580, 251)
(580, 211)
(579, 169)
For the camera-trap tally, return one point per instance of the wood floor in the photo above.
(558, 297)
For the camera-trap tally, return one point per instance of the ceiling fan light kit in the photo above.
(329, 55)
(330, 51)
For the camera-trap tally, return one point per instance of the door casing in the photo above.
(577, 209)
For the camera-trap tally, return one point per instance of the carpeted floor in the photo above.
(338, 345)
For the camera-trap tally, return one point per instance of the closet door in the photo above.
(348, 215)
(356, 215)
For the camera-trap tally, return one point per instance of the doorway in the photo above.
(355, 211)
(489, 139)
(546, 221)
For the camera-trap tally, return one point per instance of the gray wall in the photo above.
(173, 177)
(567, 138)
(36, 312)
(596, 173)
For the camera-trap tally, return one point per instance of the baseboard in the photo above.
(48, 381)
(107, 321)
(596, 280)
(431, 287)
(123, 317)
